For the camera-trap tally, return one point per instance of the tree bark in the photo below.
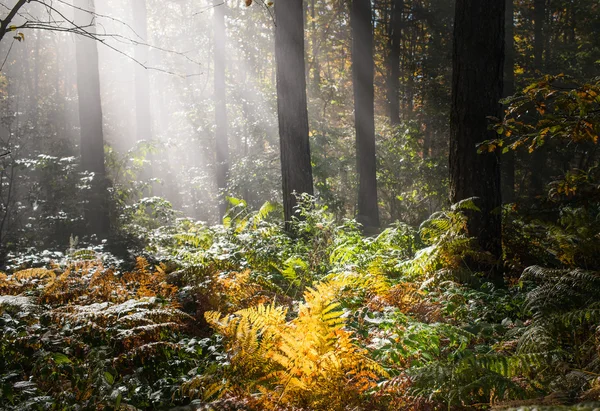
(296, 171)
(221, 139)
(508, 159)
(477, 81)
(90, 120)
(538, 157)
(393, 82)
(364, 112)
(315, 51)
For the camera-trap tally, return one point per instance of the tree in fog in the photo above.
(296, 170)
(477, 81)
(395, 49)
(90, 118)
(142, 84)
(364, 111)
(221, 139)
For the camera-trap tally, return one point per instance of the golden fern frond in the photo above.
(34, 273)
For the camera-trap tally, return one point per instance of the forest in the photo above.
(300, 205)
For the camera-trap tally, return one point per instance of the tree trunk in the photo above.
(508, 159)
(539, 14)
(364, 114)
(478, 61)
(142, 82)
(315, 51)
(296, 171)
(90, 120)
(393, 82)
(221, 141)
(538, 157)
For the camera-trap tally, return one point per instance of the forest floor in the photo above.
(243, 316)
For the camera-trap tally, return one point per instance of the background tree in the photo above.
(90, 119)
(142, 83)
(221, 138)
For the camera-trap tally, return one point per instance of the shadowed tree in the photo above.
(477, 81)
(508, 159)
(90, 120)
(364, 111)
(296, 171)
(538, 157)
(221, 142)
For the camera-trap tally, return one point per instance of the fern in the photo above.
(301, 361)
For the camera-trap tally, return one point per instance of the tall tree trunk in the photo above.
(538, 160)
(142, 82)
(90, 120)
(539, 15)
(296, 171)
(393, 82)
(364, 112)
(315, 51)
(508, 159)
(477, 63)
(221, 141)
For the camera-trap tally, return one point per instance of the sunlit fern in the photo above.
(308, 360)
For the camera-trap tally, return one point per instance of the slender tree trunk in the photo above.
(393, 82)
(90, 120)
(478, 62)
(315, 51)
(508, 159)
(221, 140)
(364, 112)
(538, 157)
(142, 82)
(296, 171)
(539, 14)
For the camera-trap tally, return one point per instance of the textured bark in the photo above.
(221, 140)
(364, 115)
(538, 157)
(477, 81)
(296, 171)
(90, 120)
(539, 13)
(393, 81)
(508, 159)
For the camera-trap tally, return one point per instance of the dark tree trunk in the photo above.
(538, 157)
(478, 62)
(90, 120)
(296, 171)
(508, 159)
(393, 82)
(221, 141)
(539, 14)
(364, 114)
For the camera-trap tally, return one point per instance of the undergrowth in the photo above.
(247, 316)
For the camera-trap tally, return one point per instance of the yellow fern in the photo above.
(308, 360)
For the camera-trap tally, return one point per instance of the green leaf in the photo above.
(60, 358)
(109, 378)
